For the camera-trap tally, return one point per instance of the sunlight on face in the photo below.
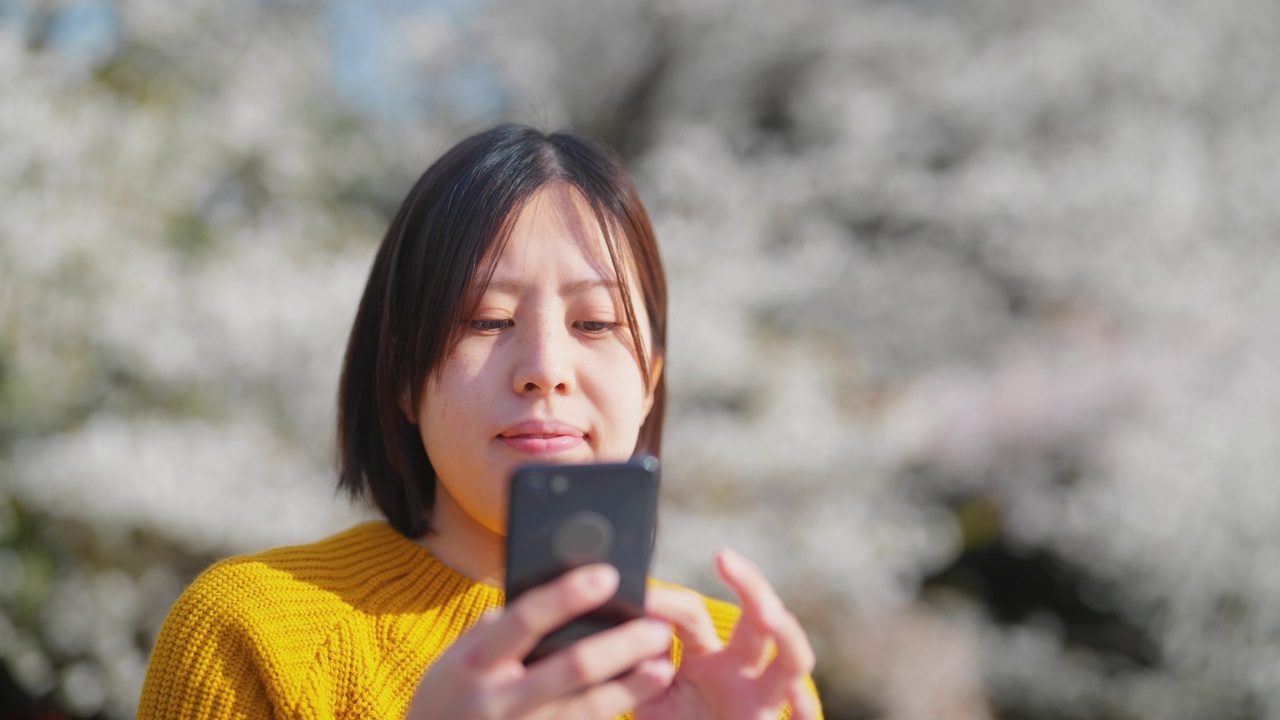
(546, 371)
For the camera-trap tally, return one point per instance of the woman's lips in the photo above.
(541, 444)
(542, 438)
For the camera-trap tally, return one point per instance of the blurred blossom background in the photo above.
(975, 321)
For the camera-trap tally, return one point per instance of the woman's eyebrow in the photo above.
(574, 287)
(580, 286)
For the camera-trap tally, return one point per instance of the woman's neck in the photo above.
(463, 544)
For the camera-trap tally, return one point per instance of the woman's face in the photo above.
(545, 372)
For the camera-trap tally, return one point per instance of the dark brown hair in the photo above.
(424, 282)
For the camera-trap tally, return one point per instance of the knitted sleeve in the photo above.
(204, 663)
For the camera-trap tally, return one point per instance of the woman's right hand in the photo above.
(600, 677)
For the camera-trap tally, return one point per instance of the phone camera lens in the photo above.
(536, 484)
(559, 484)
(585, 537)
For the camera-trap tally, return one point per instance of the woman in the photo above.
(515, 313)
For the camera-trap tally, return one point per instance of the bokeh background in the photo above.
(975, 317)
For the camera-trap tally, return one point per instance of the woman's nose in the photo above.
(544, 365)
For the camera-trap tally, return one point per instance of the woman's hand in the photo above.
(597, 678)
(743, 679)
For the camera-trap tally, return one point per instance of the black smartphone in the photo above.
(565, 516)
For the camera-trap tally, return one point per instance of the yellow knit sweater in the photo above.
(341, 628)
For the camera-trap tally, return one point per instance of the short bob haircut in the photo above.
(424, 285)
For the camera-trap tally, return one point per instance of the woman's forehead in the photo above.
(558, 221)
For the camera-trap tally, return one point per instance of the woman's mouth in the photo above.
(542, 438)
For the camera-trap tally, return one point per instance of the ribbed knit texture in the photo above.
(341, 628)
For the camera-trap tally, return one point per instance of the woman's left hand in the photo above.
(745, 678)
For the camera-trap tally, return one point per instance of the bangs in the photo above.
(621, 260)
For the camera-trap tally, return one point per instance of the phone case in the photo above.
(565, 516)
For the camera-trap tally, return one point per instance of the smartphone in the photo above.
(565, 516)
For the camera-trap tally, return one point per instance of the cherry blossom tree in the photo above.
(973, 325)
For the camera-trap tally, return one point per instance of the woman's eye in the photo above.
(490, 325)
(596, 327)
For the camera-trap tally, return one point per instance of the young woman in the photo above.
(515, 313)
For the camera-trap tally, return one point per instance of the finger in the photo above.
(794, 660)
(752, 641)
(543, 609)
(803, 704)
(688, 613)
(646, 682)
(593, 660)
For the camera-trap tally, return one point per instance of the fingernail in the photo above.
(659, 630)
(662, 669)
(602, 576)
(730, 557)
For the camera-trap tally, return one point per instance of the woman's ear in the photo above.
(655, 374)
(406, 406)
